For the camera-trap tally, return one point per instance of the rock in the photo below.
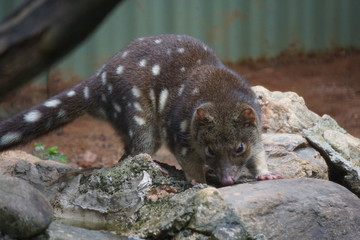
(340, 150)
(284, 112)
(61, 231)
(41, 174)
(213, 216)
(8, 158)
(109, 196)
(197, 213)
(24, 211)
(139, 199)
(292, 156)
(287, 113)
(116, 199)
(295, 209)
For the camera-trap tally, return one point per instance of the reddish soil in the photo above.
(329, 83)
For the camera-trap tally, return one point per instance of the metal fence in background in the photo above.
(236, 29)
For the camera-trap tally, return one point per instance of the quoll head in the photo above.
(225, 137)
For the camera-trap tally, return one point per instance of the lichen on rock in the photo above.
(199, 211)
(340, 150)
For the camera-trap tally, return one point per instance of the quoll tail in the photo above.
(44, 117)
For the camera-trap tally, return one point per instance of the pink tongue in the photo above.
(227, 180)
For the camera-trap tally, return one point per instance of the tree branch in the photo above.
(40, 32)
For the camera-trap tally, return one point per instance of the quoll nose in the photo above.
(227, 180)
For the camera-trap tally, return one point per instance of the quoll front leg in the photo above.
(258, 167)
(192, 165)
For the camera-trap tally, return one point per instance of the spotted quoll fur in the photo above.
(166, 89)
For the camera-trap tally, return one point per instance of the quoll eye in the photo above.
(209, 152)
(240, 149)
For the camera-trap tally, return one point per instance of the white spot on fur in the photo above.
(198, 61)
(157, 41)
(117, 107)
(184, 151)
(181, 89)
(100, 70)
(141, 39)
(32, 116)
(181, 50)
(168, 51)
(103, 78)
(110, 88)
(101, 113)
(131, 134)
(139, 120)
(142, 63)
(155, 70)
(10, 137)
(124, 54)
(48, 124)
(182, 69)
(61, 113)
(195, 91)
(120, 69)
(138, 107)
(162, 99)
(103, 98)
(136, 92)
(86, 92)
(71, 93)
(205, 47)
(183, 126)
(164, 135)
(52, 103)
(152, 98)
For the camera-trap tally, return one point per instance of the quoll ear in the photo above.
(248, 116)
(202, 114)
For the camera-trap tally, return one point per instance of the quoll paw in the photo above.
(269, 176)
(194, 182)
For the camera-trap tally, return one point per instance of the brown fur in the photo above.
(166, 89)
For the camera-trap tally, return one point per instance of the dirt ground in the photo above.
(329, 83)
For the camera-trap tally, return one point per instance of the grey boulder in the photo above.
(295, 209)
(24, 211)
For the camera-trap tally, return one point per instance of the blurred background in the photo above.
(307, 46)
(236, 29)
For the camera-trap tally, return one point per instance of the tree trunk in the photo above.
(40, 32)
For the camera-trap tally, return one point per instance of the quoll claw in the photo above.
(194, 182)
(269, 176)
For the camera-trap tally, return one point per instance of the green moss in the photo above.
(168, 215)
